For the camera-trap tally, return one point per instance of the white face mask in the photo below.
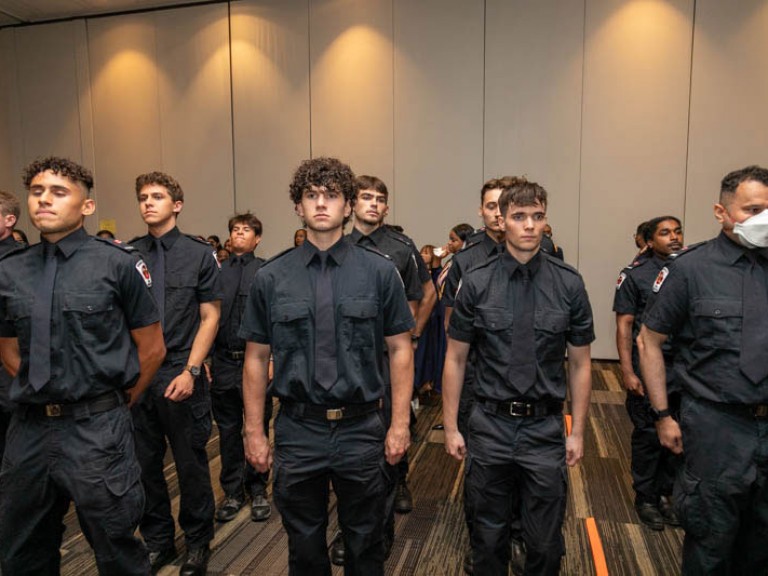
(753, 232)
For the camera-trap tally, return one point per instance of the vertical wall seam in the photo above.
(232, 108)
(309, 72)
(688, 124)
(581, 133)
(485, 72)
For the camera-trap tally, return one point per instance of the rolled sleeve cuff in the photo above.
(400, 328)
(657, 325)
(254, 337)
(143, 321)
(460, 335)
(583, 339)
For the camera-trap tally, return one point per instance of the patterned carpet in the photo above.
(431, 540)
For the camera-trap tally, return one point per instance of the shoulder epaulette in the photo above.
(399, 236)
(15, 250)
(560, 264)
(196, 239)
(688, 249)
(278, 255)
(373, 250)
(116, 244)
(484, 263)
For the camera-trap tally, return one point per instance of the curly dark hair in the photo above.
(61, 166)
(323, 172)
(248, 219)
(160, 179)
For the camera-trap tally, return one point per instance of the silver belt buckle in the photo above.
(53, 410)
(519, 409)
(334, 414)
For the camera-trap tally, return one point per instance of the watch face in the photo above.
(194, 370)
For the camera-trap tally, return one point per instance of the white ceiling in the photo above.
(32, 11)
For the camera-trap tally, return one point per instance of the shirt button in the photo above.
(717, 312)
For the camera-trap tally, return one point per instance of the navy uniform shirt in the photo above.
(369, 303)
(7, 245)
(101, 293)
(479, 249)
(191, 277)
(399, 250)
(699, 301)
(633, 289)
(482, 316)
(235, 287)
(424, 275)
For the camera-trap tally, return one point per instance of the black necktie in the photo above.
(158, 279)
(522, 373)
(40, 339)
(325, 326)
(754, 328)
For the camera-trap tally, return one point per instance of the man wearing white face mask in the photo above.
(714, 301)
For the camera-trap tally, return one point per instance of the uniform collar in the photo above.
(511, 265)
(490, 244)
(244, 258)
(374, 236)
(337, 252)
(169, 238)
(71, 242)
(731, 251)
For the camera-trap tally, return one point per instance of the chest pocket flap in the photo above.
(359, 308)
(88, 303)
(552, 321)
(290, 312)
(489, 318)
(717, 308)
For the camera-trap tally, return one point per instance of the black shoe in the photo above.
(196, 563)
(337, 550)
(517, 556)
(469, 565)
(667, 511)
(650, 516)
(159, 558)
(403, 498)
(229, 508)
(261, 509)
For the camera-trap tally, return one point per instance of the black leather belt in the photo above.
(95, 405)
(523, 408)
(327, 413)
(232, 354)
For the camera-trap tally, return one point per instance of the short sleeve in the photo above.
(397, 314)
(411, 278)
(452, 283)
(581, 331)
(138, 304)
(627, 297)
(667, 307)
(255, 326)
(209, 283)
(461, 326)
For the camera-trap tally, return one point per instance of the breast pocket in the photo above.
(358, 319)
(717, 322)
(180, 291)
(90, 313)
(494, 325)
(290, 326)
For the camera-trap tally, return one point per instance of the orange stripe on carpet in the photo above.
(598, 557)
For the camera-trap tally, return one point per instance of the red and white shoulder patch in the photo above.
(663, 273)
(144, 271)
(620, 281)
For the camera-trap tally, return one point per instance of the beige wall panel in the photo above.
(126, 113)
(636, 85)
(351, 71)
(270, 93)
(10, 129)
(729, 91)
(534, 58)
(438, 87)
(195, 112)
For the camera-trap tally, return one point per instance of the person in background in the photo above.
(299, 236)
(428, 361)
(214, 241)
(641, 243)
(457, 240)
(105, 235)
(548, 244)
(222, 254)
(177, 406)
(20, 237)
